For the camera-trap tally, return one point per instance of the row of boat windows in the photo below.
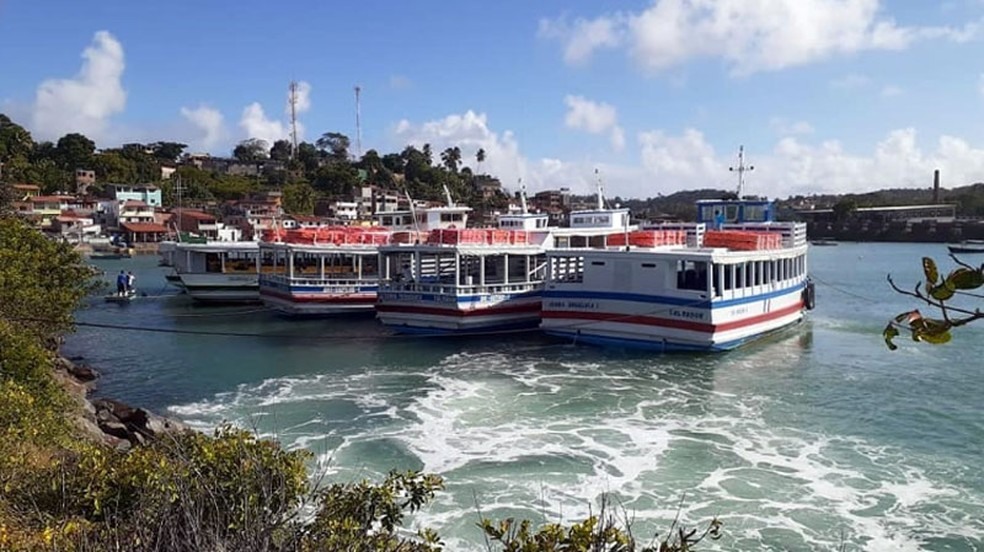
(693, 275)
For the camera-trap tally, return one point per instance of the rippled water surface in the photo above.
(814, 438)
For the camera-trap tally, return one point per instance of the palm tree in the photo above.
(451, 158)
(480, 157)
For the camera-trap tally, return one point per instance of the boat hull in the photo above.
(317, 300)
(965, 248)
(222, 288)
(669, 324)
(421, 313)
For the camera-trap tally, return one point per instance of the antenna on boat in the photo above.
(522, 196)
(741, 169)
(413, 212)
(601, 192)
(447, 193)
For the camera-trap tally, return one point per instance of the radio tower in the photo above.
(292, 98)
(741, 169)
(358, 123)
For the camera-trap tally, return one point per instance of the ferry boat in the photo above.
(336, 270)
(731, 277)
(466, 281)
(218, 271)
(967, 246)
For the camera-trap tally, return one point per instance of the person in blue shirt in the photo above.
(718, 220)
(121, 282)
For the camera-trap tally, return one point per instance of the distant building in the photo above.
(24, 192)
(149, 194)
(83, 179)
(942, 212)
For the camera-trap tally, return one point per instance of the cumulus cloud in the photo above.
(470, 131)
(749, 35)
(671, 162)
(594, 117)
(794, 166)
(256, 124)
(86, 102)
(582, 37)
(210, 124)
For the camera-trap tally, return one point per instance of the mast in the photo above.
(292, 98)
(741, 169)
(522, 196)
(601, 192)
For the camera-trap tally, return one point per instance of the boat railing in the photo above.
(793, 233)
(321, 282)
(695, 230)
(463, 289)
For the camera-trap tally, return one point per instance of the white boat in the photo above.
(335, 270)
(219, 271)
(466, 281)
(721, 288)
(967, 246)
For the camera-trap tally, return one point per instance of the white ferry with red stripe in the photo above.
(480, 280)
(335, 270)
(738, 276)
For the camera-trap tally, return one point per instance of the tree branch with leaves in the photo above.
(938, 293)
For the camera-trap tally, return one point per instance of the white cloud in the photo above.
(470, 131)
(795, 167)
(785, 127)
(672, 162)
(255, 123)
(594, 117)
(86, 102)
(209, 122)
(749, 35)
(583, 37)
(890, 90)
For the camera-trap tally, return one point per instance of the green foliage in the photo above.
(298, 198)
(335, 144)
(252, 149)
(601, 533)
(42, 282)
(365, 516)
(936, 293)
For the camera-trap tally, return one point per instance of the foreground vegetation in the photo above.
(65, 489)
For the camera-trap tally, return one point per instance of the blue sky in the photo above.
(825, 95)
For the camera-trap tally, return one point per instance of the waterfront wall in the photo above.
(898, 231)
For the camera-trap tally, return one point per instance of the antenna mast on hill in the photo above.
(358, 124)
(741, 169)
(292, 98)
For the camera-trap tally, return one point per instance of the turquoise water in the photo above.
(816, 437)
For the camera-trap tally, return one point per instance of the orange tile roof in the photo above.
(143, 227)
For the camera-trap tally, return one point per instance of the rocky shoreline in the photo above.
(108, 421)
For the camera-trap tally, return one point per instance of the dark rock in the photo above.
(116, 429)
(83, 373)
(121, 411)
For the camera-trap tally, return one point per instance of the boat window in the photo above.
(757, 273)
(754, 213)
(731, 213)
(648, 265)
(598, 263)
(692, 275)
(729, 277)
(213, 262)
(567, 269)
(748, 275)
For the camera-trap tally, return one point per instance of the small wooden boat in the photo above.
(122, 299)
(967, 246)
